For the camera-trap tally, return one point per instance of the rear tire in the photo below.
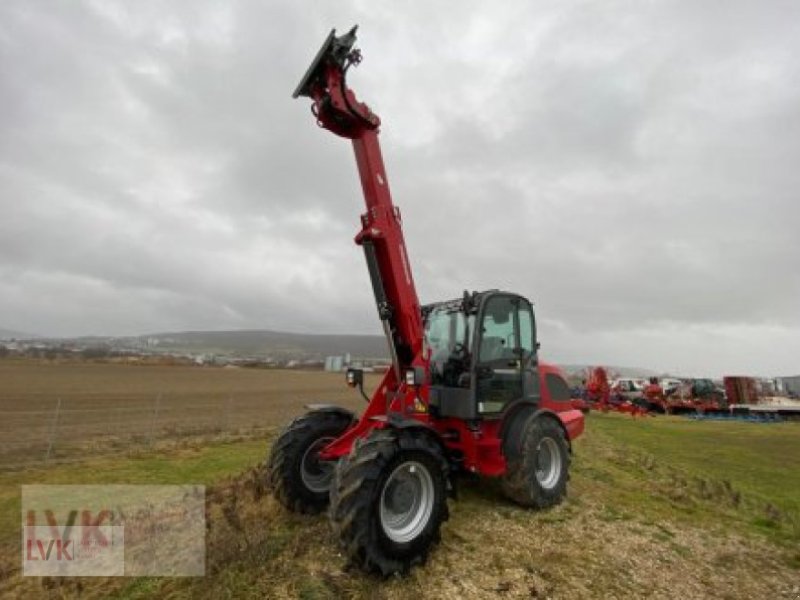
(389, 499)
(299, 481)
(537, 464)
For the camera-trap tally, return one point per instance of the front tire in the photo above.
(537, 464)
(389, 499)
(298, 479)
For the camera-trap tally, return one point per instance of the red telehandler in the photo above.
(466, 391)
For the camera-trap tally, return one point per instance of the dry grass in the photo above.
(489, 548)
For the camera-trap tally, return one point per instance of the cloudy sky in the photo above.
(632, 167)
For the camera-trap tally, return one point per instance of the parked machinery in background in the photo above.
(697, 395)
(740, 389)
(601, 395)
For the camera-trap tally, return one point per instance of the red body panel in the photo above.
(570, 416)
(481, 447)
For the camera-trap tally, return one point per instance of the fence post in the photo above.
(155, 419)
(53, 431)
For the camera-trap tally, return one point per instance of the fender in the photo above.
(518, 414)
(331, 408)
(398, 421)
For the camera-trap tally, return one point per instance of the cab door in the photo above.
(501, 360)
(528, 351)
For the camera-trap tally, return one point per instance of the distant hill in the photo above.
(282, 345)
(275, 344)
(10, 334)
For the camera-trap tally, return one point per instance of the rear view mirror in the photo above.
(355, 377)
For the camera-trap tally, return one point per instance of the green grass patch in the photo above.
(694, 471)
(759, 459)
(189, 465)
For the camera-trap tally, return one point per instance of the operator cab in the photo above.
(482, 354)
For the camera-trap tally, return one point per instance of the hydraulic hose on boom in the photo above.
(336, 108)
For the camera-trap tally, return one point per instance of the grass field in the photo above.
(658, 507)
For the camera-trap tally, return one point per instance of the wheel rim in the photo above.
(406, 502)
(316, 473)
(548, 463)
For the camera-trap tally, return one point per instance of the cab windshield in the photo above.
(448, 335)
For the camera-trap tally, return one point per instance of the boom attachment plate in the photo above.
(334, 49)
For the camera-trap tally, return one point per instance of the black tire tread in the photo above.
(519, 483)
(353, 499)
(283, 475)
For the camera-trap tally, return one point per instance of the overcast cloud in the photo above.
(632, 167)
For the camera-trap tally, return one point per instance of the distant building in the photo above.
(340, 363)
(790, 384)
(334, 363)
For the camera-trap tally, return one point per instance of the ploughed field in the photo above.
(657, 507)
(59, 412)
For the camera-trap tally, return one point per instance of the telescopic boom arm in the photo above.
(336, 108)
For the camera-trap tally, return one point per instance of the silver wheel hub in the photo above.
(316, 473)
(406, 502)
(548, 463)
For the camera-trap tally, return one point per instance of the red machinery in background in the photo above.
(600, 396)
(696, 396)
(740, 389)
(598, 389)
(466, 391)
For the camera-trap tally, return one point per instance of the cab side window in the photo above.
(499, 339)
(557, 387)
